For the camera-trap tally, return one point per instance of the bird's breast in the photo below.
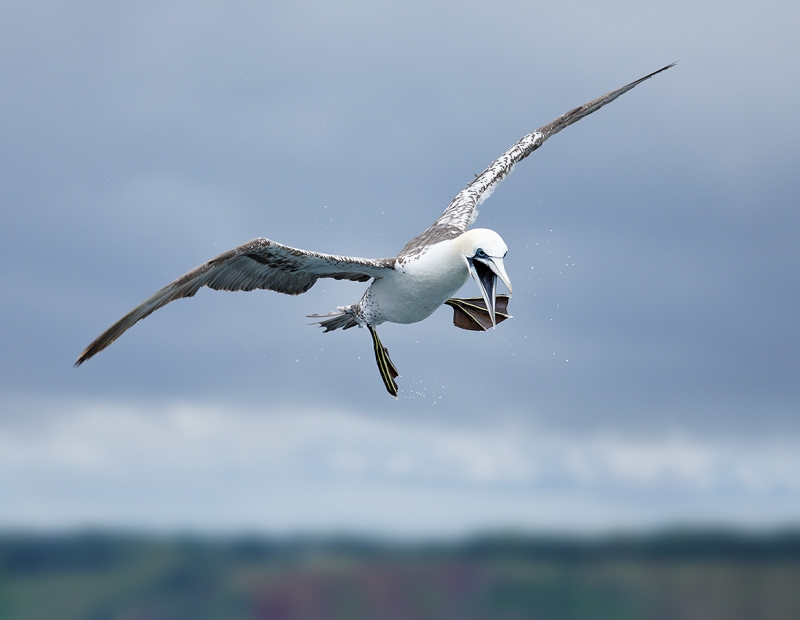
(416, 288)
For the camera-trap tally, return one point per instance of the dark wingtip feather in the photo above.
(669, 66)
(87, 353)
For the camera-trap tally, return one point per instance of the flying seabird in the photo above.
(406, 288)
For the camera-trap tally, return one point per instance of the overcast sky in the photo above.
(650, 373)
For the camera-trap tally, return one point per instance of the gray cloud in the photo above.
(653, 245)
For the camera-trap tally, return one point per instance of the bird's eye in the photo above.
(480, 253)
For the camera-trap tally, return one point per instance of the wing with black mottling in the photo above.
(462, 211)
(259, 264)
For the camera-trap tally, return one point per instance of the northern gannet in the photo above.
(406, 288)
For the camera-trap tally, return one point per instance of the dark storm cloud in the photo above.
(138, 142)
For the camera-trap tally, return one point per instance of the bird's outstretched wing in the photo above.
(258, 264)
(462, 211)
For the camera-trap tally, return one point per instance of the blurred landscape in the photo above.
(677, 574)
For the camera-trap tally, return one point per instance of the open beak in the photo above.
(485, 272)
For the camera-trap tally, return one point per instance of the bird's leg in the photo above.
(388, 371)
(473, 315)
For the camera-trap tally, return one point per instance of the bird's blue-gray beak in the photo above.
(485, 272)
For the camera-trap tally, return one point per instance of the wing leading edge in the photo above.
(462, 211)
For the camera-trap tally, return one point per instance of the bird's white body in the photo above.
(417, 286)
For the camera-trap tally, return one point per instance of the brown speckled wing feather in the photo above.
(258, 264)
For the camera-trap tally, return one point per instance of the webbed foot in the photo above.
(473, 315)
(385, 366)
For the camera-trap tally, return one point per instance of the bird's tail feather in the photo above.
(343, 318)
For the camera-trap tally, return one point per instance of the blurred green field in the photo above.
(681, 575)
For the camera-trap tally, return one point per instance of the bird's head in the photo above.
(484, 251)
